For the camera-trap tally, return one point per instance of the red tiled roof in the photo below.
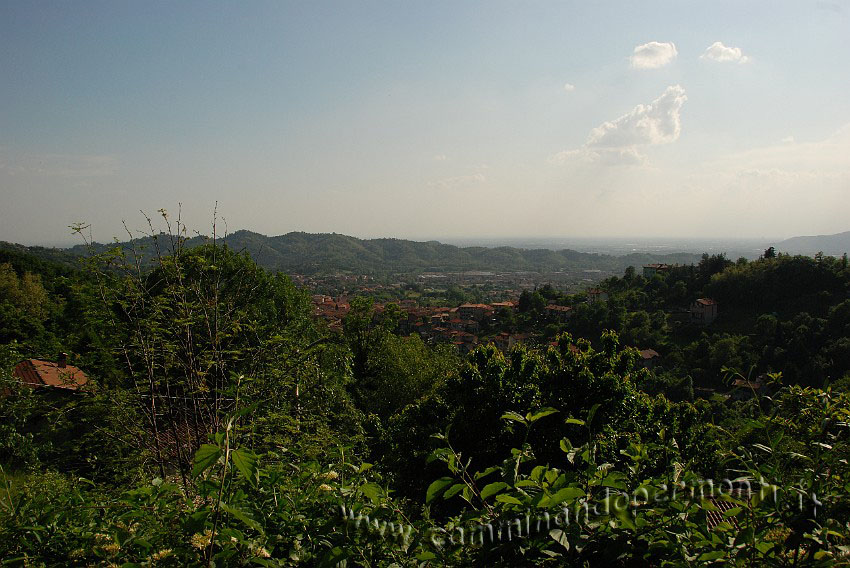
(706, 301)
(555, 308)
(648, 353)
(37, 373)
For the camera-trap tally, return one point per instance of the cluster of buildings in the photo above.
(462, 325)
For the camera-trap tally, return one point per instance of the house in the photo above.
(439, 318)
(557, 313)
(502, 341)
(510, 306)
(475, 312)
(649, 357)
(505, 341)
(457, 324)
(743, 389)
(37, 373)
(651, 270)
(703, 311)
(596, 295)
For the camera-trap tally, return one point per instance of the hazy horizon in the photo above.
(694, 120)
(616, 245)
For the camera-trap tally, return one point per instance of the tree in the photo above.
(192, 331)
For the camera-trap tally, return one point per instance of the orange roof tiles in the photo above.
(38, 373)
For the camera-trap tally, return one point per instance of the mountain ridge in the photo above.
(835, 244)
(322, 253)
(325, 253)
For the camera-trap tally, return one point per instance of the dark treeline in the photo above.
(223, 425)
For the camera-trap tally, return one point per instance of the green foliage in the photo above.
(389, 371)
(222, 427)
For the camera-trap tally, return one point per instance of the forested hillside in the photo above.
(836, 244)
(307, 253)
(222, 424)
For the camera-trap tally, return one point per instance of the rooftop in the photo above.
(39, 373)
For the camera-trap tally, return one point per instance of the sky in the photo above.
(426, 119)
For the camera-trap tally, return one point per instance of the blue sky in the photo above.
(427, 119)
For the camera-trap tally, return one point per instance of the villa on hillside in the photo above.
(703, 311)
(557, 313)
(648, 358)
(596, 295)
(651, 270)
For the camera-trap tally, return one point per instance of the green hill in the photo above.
(326, 253)
(834, 245)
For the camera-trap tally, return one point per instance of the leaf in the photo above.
(453, 490)
(574, 421)
(205, 457)
(560, 537)
(508, 499)
(372, 491)
(614, 480)
(538, 472)
(542, 413)
(492, 489)
(246, 462)
(591, 413)
(486, 472)
(513, 416)
(437, 487)
(624, 515)
(617, 506)
(565, 494)
(335, 556)
(242, 516)
(195, 522)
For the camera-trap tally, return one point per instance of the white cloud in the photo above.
(723, 54)
(440, 157)
(569, 87)
(788, 140)
(653, 55)
(619, 141)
